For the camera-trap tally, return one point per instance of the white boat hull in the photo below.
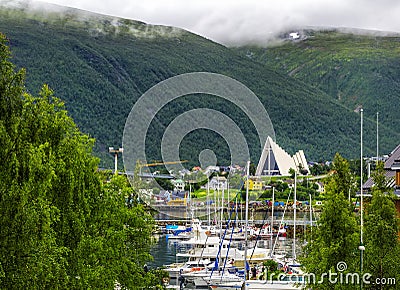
(225, 282)
(278, 285)
(226, 285)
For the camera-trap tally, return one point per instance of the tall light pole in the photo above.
(115, 152)
(361, 247)
(377, 137)
(246, 270)
(294, 214)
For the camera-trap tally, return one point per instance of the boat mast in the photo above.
(294, 215)
(237, 219)
(188, 200)
(215, 207)
(222, 207)
(219, 204)
(208, 202)
(229, 201)
(246, 223)
(272, 218)
(310, 217)
(269, 159)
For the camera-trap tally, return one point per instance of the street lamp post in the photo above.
(115, 152)
(361, 247)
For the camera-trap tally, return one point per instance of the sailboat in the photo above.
(196, 260)
(221, 279)
(234, 281)
(294, 278)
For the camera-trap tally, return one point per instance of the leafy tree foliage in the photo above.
(319, 169)
(292, 172)
(126, 237)
(235, 180)
(30, 253)
(61, 228)
(336, 237)
(382, 249)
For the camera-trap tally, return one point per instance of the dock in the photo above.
(288, 222)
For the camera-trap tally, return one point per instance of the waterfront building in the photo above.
(254, 184)
(392, 174)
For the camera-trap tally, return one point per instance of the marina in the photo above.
(169, 251)
(232, 253)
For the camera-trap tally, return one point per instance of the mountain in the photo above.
(357, 68)
(100, 65)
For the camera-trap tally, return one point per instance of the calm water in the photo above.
(164, 253)
(165, 250)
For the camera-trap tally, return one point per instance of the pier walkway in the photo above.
(288, 222)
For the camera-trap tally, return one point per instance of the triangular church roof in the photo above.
(300, 160)
(276, 161)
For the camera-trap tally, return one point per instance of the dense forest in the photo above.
(99, 66)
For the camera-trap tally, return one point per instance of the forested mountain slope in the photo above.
(101, 65)
(357, 68)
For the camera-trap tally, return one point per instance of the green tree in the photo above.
(125, 239)
(235, 180)
(382, 252)
(30, 253)
(281, 186)
(335, 239)
(252, 169)
(292, 172)
(61, 228)
(319, 169)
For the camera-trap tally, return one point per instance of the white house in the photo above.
(179, 184)
(218, 183)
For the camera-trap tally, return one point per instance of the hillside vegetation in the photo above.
(357, 70)
(101, 65)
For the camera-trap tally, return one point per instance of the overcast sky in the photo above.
(237, 21)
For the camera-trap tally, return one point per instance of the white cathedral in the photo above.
(276, 161)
